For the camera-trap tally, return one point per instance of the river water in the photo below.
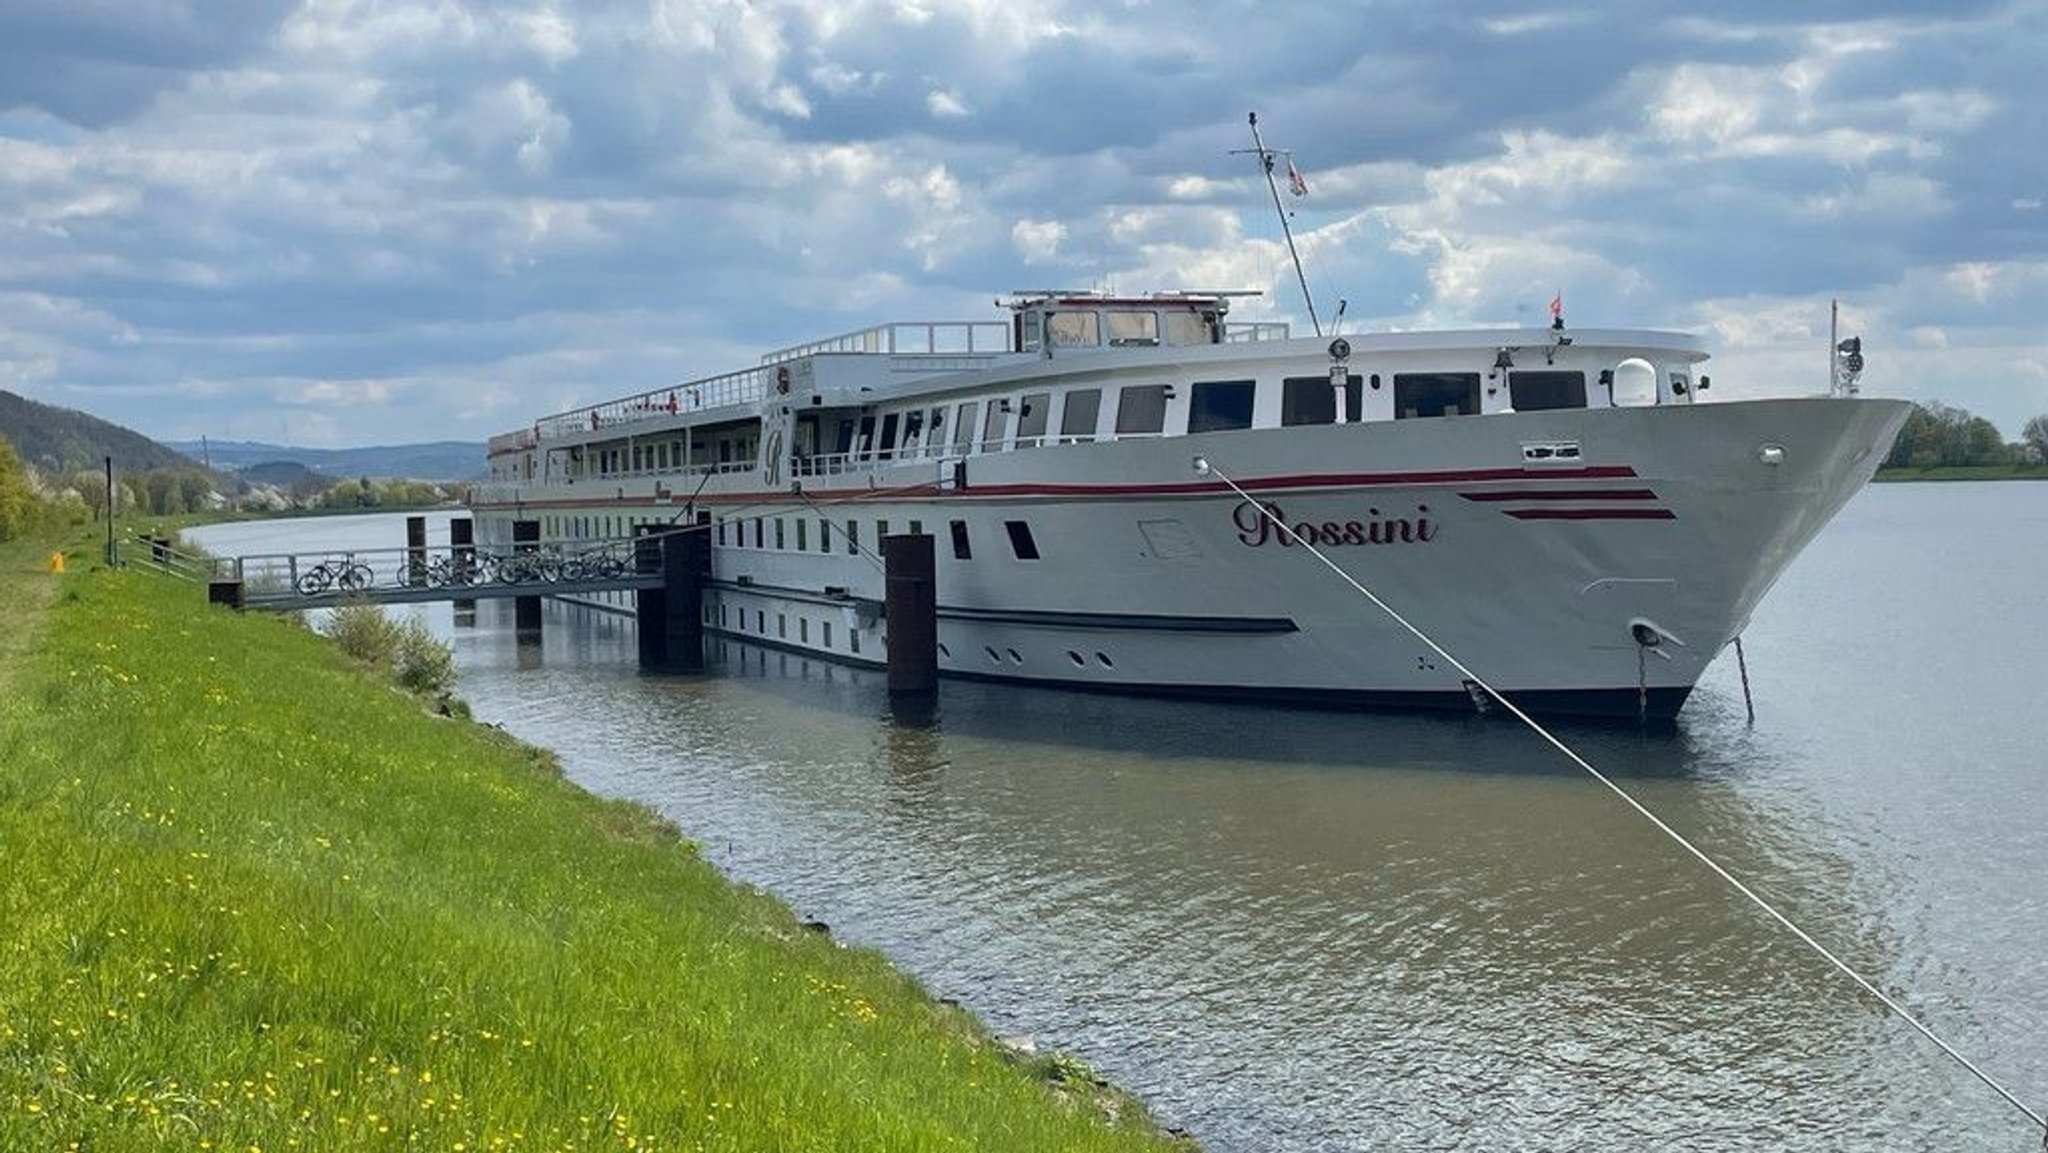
(1317, 931)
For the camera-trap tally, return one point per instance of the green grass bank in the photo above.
(253, 899)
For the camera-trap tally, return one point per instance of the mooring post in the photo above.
(650, 606)
(526, 610)
(911, 607)
(415, 550)
(462, 558)
(685, 570)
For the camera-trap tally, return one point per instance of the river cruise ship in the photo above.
(1569, 512)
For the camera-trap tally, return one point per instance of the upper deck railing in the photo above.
(746, 386)
(915, 338)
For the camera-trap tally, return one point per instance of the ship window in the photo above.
(1220, 405)
(842, 442)
(803, 629)
(824, 535)
(917, 528)
(1435, 393)
(1535, 391)
(996, 427)
(1021, 542)
(1189, 327)
(826, 628)
(881, 532)
(1132, 327)
(1310, 400)
(802, 531)
(759, 541)
(913, 431)
(1084, 408)
(1071, 330)
(721, 530)
(852, 536)
(888, 442)
(1031, 418)
(866, 441)
(963, 428)
(1141, 410)
(961, 549)
(779, 542)
(782, 626)
(761, 622)
(853, 639)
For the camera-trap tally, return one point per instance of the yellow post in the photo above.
(56, 562)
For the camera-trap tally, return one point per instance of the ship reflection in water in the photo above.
(1310, 930)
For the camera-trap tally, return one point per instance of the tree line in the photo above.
(1943, 435)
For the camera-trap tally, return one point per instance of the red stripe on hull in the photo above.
(1563, 494)
(1591, 513)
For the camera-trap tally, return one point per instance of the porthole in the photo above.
(1103, 660)
(1075, 657)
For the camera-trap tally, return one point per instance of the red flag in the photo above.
(1557, 306)
(1295, 183)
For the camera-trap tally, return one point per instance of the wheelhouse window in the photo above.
(1311, 400)
(1221, 405)
(913, 432)
(1435, 394)
(1031, 417)
(1141, 410)
(887, 447)
(1082, 411)
(1072, 330)
(1181, 328)
(1132, 327)
(1536, 391)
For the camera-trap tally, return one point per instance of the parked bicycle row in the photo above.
(547, 565)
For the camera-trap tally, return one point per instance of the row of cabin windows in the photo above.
(1213, 406)
(1023, 545)
(726, 614)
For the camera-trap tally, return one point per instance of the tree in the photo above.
(1941, 434)
(18, 503)
(2035, 438)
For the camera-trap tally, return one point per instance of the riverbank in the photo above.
(256, 899)
(1966, 472)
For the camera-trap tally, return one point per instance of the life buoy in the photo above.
(782, 379)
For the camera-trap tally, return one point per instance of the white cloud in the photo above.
(1038, 241)
(946, 104)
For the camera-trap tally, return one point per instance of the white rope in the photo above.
(1203, 466)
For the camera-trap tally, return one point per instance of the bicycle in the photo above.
(347, 574)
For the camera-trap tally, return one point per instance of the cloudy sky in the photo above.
(334, 222)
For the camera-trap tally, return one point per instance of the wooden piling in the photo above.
(462, 558)
(415, 550)
(911, 606)
(526, 610)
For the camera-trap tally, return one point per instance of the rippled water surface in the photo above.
(1295, 930)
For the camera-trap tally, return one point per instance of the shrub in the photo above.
(423, 663)
(365, 633)
(405, 651)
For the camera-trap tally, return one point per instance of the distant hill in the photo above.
(65, 440)
(440, 460)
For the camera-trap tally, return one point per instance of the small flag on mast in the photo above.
(1295, 183)
(1557, 305)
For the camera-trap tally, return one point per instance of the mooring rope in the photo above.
(1204, 467)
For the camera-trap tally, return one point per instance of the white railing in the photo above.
(746, 386)
(1241, 331)
(912, 338)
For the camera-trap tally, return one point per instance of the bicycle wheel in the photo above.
(356, 576)
(314, 581)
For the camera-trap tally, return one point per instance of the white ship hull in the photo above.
(1534, 570)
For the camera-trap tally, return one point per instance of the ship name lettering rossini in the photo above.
(1255, 529)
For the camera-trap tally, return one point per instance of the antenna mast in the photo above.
(1266, 166)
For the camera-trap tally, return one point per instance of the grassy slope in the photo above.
(250, 899)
